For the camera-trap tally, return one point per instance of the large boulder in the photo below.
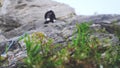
(32, 10)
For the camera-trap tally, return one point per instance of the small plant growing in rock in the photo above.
(87, 49)
(39, 48)
(33, 52)
(81, 41)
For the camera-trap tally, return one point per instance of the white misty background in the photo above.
(90, 7)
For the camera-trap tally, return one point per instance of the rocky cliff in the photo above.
(27, 16)
(33, 10)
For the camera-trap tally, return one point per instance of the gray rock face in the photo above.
(8, 23)
(32, 10)
(27, 16)
(97, 19)
(62, 31)
(2, 38)
(31, 16)
(113, 27)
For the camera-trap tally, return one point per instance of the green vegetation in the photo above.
(84, 51)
